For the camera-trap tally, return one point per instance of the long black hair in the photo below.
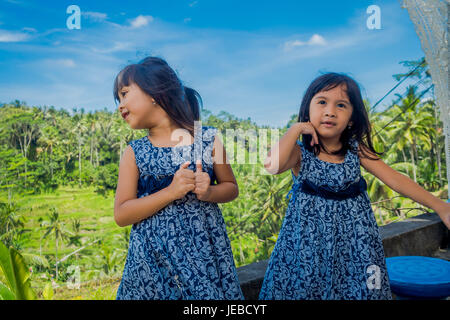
(360, 129)
(157, 79)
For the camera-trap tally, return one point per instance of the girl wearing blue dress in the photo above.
(329, 245)
(178, 248)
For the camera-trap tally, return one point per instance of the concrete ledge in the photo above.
(251, 277)
(418, 236)
(422, 235)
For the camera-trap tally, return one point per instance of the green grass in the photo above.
(95, 213)
(105, 289)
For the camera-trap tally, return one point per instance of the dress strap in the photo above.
(205, 145)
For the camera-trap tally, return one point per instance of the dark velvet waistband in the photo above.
(352, 191)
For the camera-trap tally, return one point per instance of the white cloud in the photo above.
(118, 46)
(12, 36)
(186, 20)
(48, 63)
(95, 16)
(15, 2)
(315, 40)
(69, 63)
(29, 29)
(294, 43)
(141, 21)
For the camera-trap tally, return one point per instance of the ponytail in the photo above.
(194, 101)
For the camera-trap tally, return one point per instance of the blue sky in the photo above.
(250, 58)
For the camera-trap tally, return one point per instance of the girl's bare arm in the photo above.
(227, 188)
(128, 209)
(286, 154)
(406, 187)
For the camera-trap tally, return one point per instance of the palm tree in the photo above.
(49, 138)
(409, 126)
(406, 125)
(271, 192)
(11, 224)
(417, 69)
(431, 108)
(79, 131)
(10, 166)
(108, 259)
(55, 227)
(24, 124)
(75, 238)
(11, 228)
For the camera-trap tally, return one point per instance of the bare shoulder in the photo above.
(128, 157)
(218, 151)
(379, 169)
(367, 158)
(127, 167)
(365, 155)
(221, 166)
(374, 164)
(128, 177)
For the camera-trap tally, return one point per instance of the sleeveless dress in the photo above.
(183, 251)
(329, 247)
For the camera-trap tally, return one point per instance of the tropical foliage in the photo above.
(58, 173)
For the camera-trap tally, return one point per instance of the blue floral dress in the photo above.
(183, 251)
(329, 247)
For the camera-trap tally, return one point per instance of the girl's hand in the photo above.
(444, 214)
(307, 128)
(183, 181)
(202, 183)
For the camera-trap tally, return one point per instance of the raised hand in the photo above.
(202, 182)
(183, 181)
(307, 128)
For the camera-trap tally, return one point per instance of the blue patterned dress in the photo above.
(329, 247)
(183, 251)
